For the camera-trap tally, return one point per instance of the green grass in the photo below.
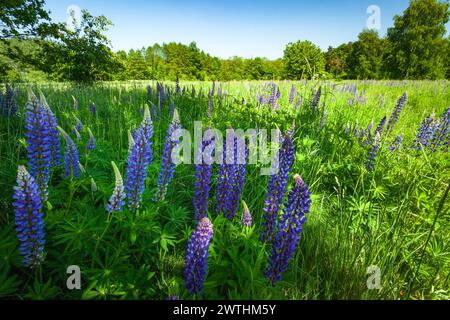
(396, 217)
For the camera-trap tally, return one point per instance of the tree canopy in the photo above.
(33, 47)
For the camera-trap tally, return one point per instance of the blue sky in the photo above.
(228, 28)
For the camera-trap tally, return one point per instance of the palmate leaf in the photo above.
(8, 284)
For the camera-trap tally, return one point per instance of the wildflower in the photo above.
(79, 124)
(316, 99)
(116, 201)
(290, 228)
(147, 127)
(71, 160)
(246, 216)
(373, 152)
(53, 135)
(396, 113)
(273, 97)
(424, 133)
(203, 170)
(91, 142)
(29, 218)
(8, 105)
(277, 188)
(292, 95)
(92, 109)
(39, 147)
(167, 166)
(395, 146)
(197, 256)
(136, 171)
(210, 104)
(231, 176)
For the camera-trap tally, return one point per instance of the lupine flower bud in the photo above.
(116, 201)
(29, 218)
(246, 216)
(91, 142)
(290, 227)
(197, 256)
(75, 103)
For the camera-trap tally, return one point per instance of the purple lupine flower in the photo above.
(92, 109)
(236, 177)
(395, 146)
(160, 96)
(396, 113)
(29, 218)
(91, 143)
(222, 178)
(439, 135)
(373, 152)
(54, 136)
(273, 96)
(78, 125)
(193, 92)
(147, 127)
(290, 228)
(231, 176)
(423, 134)
(210, 105)
(197, 256)
(136, 172)
(316, 99)
(167, 165)
(244, 102)
(277, 188)
(8, 105)
(246, 216)
(39, 145)
(173, 297)
(380, 127)
(71, 160)
(116, 201)
(203, 168)
(292, 95)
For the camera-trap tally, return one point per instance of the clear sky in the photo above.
(233, 27)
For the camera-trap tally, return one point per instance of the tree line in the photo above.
(34, 48)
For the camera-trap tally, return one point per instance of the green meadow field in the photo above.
(378, 231)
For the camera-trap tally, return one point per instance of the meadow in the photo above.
(379, 192)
